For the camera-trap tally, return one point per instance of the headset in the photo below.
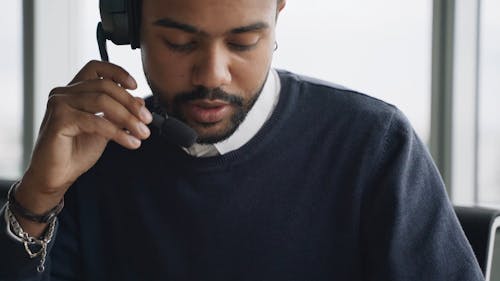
(120, 22)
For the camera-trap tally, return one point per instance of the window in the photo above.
(75, 34)
(381, 48)
(489, 103)
(386, 54)
(11, 107)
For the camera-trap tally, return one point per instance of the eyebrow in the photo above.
(249, 28)
(169, 23)
(165, 22)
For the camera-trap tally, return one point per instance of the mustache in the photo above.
(211, 94)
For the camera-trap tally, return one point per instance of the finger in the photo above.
(134, 105)
(94, 125)
(112, 110)
(140, 100)
(98, 69)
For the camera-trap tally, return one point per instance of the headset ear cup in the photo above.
(121, 21)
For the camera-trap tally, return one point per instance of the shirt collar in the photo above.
(253, 122)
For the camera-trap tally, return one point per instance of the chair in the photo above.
(482, 228)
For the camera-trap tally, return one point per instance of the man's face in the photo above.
(207, 60)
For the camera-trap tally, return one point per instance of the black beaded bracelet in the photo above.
(19, 210)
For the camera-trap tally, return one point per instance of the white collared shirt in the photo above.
(253, 122)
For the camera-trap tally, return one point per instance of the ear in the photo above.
(281, 5)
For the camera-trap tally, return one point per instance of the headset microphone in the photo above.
(101, 42)
(174, 130)
(120, 24)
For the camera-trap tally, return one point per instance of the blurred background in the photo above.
(438, 61)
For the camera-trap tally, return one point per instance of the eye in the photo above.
(242, 47)
(243, 42)
(183, 48)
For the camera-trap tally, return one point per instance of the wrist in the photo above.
(33, 206)
(34, 195)
(43, 186)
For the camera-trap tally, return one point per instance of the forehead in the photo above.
(211, 15)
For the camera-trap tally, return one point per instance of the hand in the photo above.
(73, 135)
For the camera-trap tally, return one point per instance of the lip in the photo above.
(207, 111)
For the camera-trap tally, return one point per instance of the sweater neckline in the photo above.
(255, 145)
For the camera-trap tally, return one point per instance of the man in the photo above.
(291, 178)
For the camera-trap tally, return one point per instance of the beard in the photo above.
(173, 108)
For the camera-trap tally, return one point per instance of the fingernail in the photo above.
(134, 141)
(131, 82)
(143, 129)
(145, 115)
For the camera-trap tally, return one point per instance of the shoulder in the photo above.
(336, 104)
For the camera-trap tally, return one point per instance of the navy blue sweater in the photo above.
(335, 186)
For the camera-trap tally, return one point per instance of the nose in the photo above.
(211, 69)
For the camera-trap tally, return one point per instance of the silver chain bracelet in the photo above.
(29, 240)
